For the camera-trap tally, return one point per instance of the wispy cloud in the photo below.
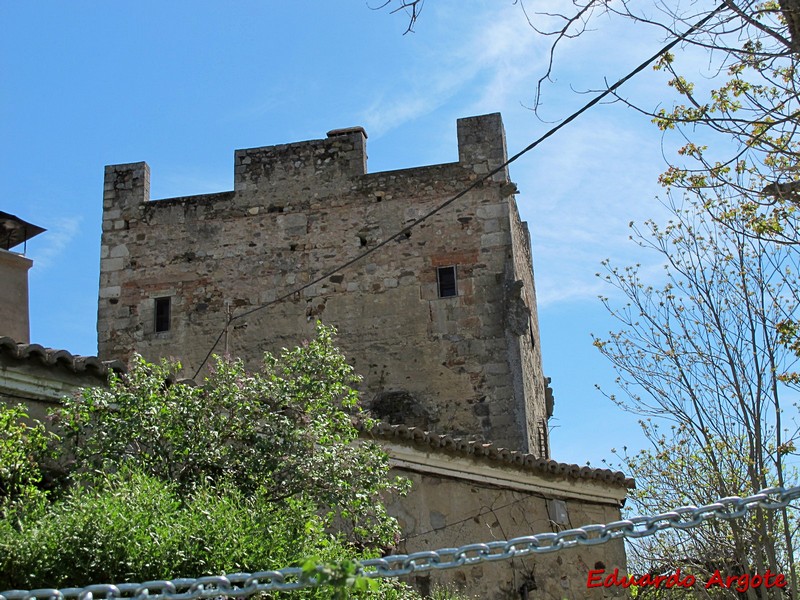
(62, 232)
(259, 107)
(485, 54)
(568, 289)
(579, 194)
(582, 187)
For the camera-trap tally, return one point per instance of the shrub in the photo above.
(130, 526)
(285, 432)
(245, 472)
(23, 448)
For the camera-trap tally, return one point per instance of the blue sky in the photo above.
(182, 84)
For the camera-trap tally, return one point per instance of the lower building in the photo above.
(466, 492)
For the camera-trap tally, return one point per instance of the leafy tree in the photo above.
(700, 359)
(738, 117)
(129, 526)
(23, 450)
(286, 432)
(244, 472)
(132, 526)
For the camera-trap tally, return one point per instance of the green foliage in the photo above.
(286, 432)
(446, 593)
(750, 173)
(730, 95)
(129, 526)
(746, 113)
(245, 472)
(23, 448)
(676, 470)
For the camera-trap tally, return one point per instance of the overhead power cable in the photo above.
(479, 181)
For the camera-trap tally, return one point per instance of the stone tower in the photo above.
(441, 322)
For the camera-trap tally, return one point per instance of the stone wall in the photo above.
(468, 365)
(462, 495)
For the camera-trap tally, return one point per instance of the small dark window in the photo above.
(162, 320)
(446, 277)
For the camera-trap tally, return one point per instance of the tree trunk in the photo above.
(791, 12)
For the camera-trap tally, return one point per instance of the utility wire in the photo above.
(597, 99)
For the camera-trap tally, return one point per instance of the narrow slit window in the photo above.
(162, 319)
(446, 277)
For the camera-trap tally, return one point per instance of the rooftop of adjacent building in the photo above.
(15, 231)
(13, 352)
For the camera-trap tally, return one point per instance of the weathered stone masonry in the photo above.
(467, 365)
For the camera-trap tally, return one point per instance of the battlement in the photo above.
(482, 144)
(341, 156)
(314, 167)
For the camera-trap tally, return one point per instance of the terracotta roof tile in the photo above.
(491, 452)
(50, 357)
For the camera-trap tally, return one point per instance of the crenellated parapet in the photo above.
(319, 163)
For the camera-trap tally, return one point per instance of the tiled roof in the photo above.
(436, 441)
(49, 357)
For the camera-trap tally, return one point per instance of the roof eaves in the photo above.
(53, 358)
(491, 452)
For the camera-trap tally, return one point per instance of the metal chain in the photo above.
(242, 585)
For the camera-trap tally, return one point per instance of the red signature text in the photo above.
(614, 579)
(741, 583)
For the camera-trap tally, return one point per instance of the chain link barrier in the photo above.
(243, 585)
